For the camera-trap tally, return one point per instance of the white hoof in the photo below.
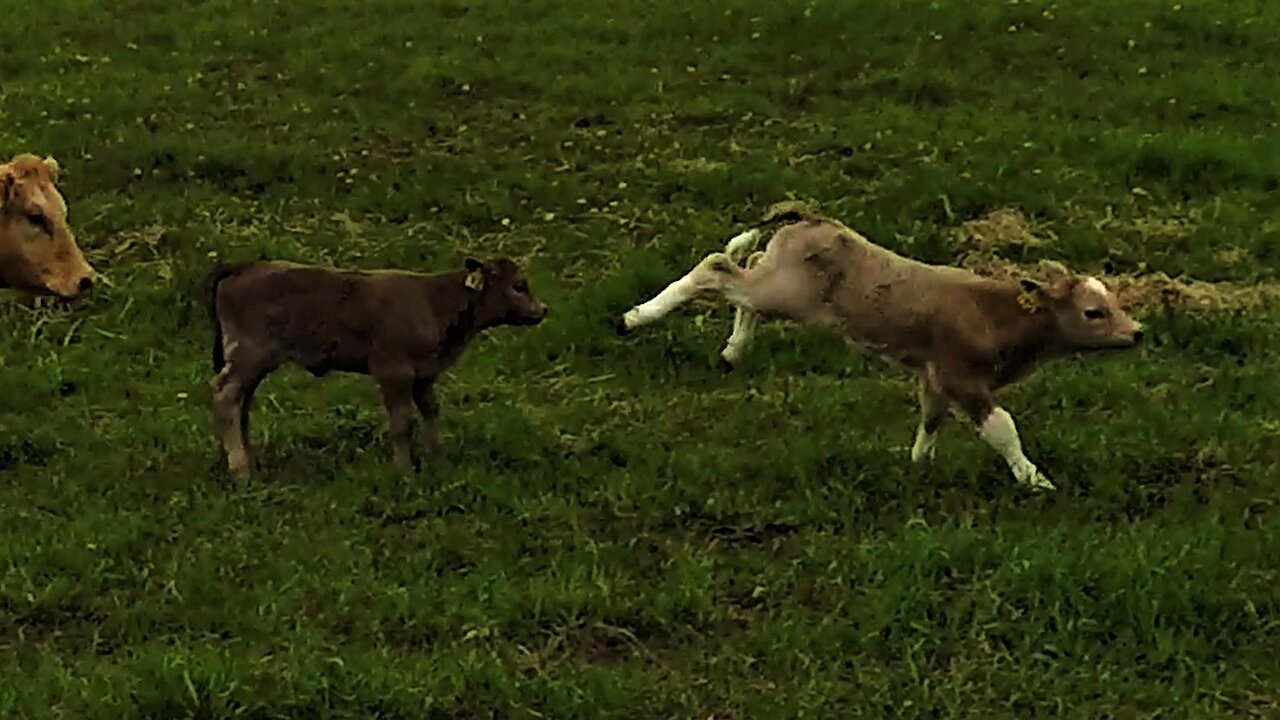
(925, 448)
(1031, 476)
(1040, 482)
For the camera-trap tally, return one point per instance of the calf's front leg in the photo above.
(996, 427)
(397, 390)
(424, 396)
(1000, 433)
(745, 321)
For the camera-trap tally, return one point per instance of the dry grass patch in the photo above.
(985, 236)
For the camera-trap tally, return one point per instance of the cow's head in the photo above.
(38, 252)
(1086, 314)
(502, 293)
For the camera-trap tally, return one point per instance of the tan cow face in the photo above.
(1088, 315)
(38, 252)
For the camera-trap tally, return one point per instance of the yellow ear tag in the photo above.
(475, 279)
(1029, 302)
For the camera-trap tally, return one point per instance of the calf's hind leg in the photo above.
(933, 410)
(716, 272)
(233, 390)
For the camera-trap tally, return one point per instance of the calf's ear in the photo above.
(7, 180)
(475, 273)
(1061, 290)
(53, 168)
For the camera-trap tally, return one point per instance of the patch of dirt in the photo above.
(604, 645)
(25, 451)
(600, 644)
(1005, 228)
(1259, 705)
(770, 536)
(1002, 227)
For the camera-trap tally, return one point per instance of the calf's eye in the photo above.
(1095, 314)
(36, 219)
(521, 287)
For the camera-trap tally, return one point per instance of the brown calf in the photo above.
(404, 329)
(964, 336)
(38, 253)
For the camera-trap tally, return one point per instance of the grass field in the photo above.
(623, 530)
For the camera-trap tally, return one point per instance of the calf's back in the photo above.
(325, 319)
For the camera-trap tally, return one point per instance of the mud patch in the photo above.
(771, 537)
(600, 644)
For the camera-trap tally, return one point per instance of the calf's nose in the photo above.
(1137, 336)
(85, 284)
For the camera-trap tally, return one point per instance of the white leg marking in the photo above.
(925, 447)
(745, 321)
(744, 328)
(933, 410)
(701, 278)
(1000, 433)
(675, 295)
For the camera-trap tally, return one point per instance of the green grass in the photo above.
(624, 531)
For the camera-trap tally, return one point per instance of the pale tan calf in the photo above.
(38, 252)
(964, 336)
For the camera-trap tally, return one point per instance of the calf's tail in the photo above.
(789, 211)
(220, 272)
(781, 213)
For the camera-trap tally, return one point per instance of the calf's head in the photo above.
(502, 293)
(1086, 314)
(38, 252)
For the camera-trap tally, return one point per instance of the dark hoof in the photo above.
(620, 327)
(726, 366)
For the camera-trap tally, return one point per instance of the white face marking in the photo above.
(1002, 435)
(1094, 284)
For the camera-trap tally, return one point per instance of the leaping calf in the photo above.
(404, 329)
(963, 335)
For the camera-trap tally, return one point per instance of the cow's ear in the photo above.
(7, 181)
(53, 168)
(1062, 288)
(475, 273)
